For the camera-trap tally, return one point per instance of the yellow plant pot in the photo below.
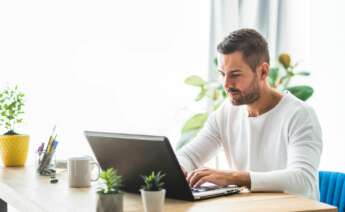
(14, 149)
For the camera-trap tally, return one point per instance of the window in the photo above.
(102, 65)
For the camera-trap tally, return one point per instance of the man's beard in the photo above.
(245, 97)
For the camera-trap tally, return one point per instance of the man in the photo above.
(271, 139)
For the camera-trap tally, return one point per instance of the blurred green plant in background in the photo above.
(281, 75)
(279, 78)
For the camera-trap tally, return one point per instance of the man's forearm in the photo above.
(241, 178)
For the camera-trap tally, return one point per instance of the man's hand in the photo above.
(221, 178)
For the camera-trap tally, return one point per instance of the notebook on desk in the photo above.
(134, 155)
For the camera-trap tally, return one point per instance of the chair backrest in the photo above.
(332, 189)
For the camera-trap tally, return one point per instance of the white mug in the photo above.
(79, 172)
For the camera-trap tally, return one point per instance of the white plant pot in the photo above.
(153, 200)
(110, 202)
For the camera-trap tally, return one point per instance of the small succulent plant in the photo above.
(112, 182)
(153, 182)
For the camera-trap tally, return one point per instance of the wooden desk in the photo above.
(23, 189)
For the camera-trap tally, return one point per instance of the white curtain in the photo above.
(284, 23)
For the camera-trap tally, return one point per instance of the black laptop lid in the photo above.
(135, 155)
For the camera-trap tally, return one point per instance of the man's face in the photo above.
(239, 81)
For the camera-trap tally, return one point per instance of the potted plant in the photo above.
(13, 146)
(110, 197)
(152, 192)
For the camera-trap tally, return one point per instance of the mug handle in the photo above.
(94, 164)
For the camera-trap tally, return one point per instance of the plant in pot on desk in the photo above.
(13, 146)
(110, 197)
(152, 192)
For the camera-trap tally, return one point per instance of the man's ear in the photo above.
(263, 71)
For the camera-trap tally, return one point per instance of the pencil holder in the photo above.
(44, 163)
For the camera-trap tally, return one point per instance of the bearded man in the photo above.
(271, 139)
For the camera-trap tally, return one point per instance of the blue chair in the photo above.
(332, 189)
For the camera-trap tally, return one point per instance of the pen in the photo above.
(51, 139)
(54, 145)
(40, 149)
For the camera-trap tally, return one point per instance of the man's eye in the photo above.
(235, 75)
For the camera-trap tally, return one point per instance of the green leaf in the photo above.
(220, 88)
(186, 138)
(215, 62)
(195, 122)
(303, 92)
(153, 182)
(11, 106)
(302, 73)
(202, 94)
(273, 76)
(195, 81)
(112, 181)
(216, 105)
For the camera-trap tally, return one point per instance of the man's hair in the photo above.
(250, 43)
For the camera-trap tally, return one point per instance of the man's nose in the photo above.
(228, 83)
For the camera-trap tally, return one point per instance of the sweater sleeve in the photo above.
(202, 148)
(304, 150)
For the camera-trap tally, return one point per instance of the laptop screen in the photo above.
(135, 155)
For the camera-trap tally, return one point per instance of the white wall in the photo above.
(102, 65)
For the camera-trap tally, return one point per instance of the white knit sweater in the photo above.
(281, 148)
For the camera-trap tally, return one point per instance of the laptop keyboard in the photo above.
(205, 188)
(212, 191)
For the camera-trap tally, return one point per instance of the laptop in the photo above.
(135, 155)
